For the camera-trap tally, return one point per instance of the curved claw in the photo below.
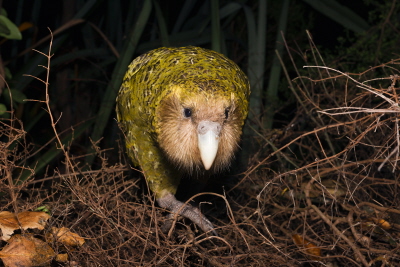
(186, 210)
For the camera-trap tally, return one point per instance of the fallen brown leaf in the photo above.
(309, 247)
(24, 220)
(65, 236)
(62, 257)
(26, 251)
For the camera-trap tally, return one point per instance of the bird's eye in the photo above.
(226, 113)
(187, 112)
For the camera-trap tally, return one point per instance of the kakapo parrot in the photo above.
(182, 111)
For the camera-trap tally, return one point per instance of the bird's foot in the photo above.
(186, 210)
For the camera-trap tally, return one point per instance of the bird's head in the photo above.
(200, 124)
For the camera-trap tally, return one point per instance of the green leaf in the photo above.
(162, 25)
(8, 29)
(339, 13)
(3, 109)
(44, 208)
(18, 96)
(7, 73)
(3, 12)
(215, 27)
(183, 15)
(229, 9)
(275, 74)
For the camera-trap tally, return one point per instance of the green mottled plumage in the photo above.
(156, 88)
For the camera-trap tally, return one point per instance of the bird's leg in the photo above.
(186, 210)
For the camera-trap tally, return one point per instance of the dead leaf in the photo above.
(309, 247)
(384, 224)
(8, 224)
(26, 251)
(65, 236)
(334, 188)
(33, 219)
(26, 220)
(62, 257)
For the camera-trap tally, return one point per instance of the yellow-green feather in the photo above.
(152, 77)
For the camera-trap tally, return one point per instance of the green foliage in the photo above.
(341, 14)
(7, 28)
(3, 109)
(17, 96)
(10, 31)
(373, 47)
(119, 70)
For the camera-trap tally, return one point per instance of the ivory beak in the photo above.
(208, 139)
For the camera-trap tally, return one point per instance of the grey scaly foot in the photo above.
(186, 210)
